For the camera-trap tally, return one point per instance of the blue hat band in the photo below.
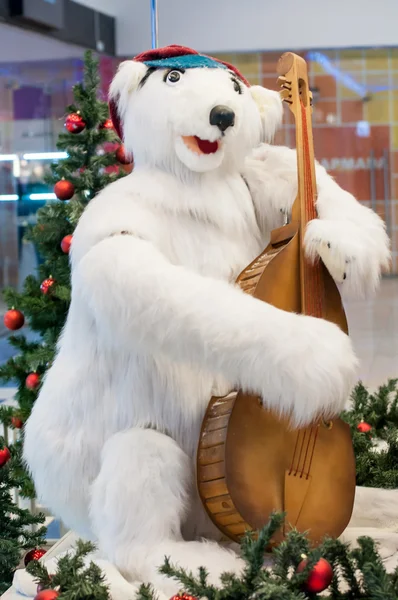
(188, 61)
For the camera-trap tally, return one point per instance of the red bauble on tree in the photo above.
(74, 123)
(364, 427)
(46, 285)
(320, 576)
(17, 422)
(32, 381)
(183, 596)
(34, 554)
(5, 456)
(64, 190)
(66, 243)
(46, 595)
(108, 124)
(14, 319)
(122, 157)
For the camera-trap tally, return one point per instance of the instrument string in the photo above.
(312, 294)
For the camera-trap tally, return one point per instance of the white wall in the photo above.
(244, 25)
(20, 45)
(225, 25)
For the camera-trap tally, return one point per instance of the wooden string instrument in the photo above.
(250, 461)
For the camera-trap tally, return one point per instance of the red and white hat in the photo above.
(174, 57)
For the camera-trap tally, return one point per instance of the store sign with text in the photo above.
(352, 164)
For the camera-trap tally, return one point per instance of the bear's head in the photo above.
(175, 107)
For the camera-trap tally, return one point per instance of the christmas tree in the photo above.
(94, 158)
(19, 529)
(45, 299)
(373, 418)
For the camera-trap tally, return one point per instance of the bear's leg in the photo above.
(138, 503)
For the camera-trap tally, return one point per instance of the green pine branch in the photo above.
(74, 580)
(19, 529)
(359, 574)
(375, 467)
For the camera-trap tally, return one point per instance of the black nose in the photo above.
(223, 117)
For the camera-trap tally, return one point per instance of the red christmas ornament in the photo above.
(74, 123)
(47, 285)
(122, 157)
(108, 124)
(183, 596)
(32, 381)
(17, 422)
(319, 578)
(5, 456)
(364, 427)
(34, 554)
(46, 595)
(64, 190)
(66, 243)
(14, 319)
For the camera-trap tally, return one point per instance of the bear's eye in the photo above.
(237, 86)
(173, 77)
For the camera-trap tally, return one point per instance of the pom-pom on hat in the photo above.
(174, 57)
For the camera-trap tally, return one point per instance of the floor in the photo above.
(374, 331)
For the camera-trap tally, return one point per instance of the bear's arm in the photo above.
(141, 303)
(140, 300)
(350, 238)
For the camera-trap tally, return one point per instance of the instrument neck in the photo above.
(304, 210)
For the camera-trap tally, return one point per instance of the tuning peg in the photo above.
(286, 95)
(284, 83)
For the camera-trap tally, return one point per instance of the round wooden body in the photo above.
(251, 461)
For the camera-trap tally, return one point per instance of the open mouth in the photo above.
(199, 146)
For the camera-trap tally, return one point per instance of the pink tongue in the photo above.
(206, 147)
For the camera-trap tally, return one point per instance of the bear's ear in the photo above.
(127, 79)
(270, 106)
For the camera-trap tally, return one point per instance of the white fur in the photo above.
(270, 108)
(350, 238)
(156, 325)
(183, 109)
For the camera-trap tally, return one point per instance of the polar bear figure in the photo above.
(157, 326)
